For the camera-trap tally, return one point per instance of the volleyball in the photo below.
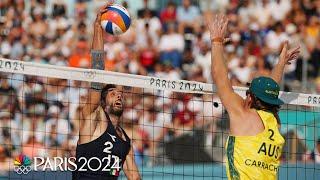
(116, 20)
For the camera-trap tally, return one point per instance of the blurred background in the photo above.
(39, 116)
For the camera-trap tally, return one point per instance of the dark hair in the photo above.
(261, 105)
(104, 93)
(171, 3)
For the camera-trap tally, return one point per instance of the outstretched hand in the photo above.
(218, 27)
(287, 56)
(102, 10)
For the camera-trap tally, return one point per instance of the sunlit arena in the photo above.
(159, 89)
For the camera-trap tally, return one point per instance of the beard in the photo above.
(116, 111)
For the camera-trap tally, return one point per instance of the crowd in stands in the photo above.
(39, 115)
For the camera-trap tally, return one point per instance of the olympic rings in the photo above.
(89, 74)
(22, 169)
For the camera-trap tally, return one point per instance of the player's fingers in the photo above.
(109, 3)
(294, 56)
(225, 25)
(103, 11)
(285, 46)
(295, 50)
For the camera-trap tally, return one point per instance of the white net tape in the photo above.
(91, 75)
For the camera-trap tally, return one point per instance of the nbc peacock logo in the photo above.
(22, 164)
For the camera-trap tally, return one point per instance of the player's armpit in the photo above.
(130, 167)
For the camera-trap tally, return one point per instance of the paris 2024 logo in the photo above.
(22, 164)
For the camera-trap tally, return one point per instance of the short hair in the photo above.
(104, 93)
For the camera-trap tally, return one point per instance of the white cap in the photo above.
(37, 11)
(54, 110)
(254, 26)
(37, 88)
(230, 48)
(291, 28)
(5, 48)
(62, 23)
(235, 37)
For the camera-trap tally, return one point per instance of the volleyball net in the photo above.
(178, 128)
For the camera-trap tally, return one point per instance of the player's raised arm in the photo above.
(232, 101)
(97, 62)
(286, 57)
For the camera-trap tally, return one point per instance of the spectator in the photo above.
(138, 135)
(146, 8)
(9, 133)
(203, 59)
(184, 120)
(146, 26)
(148, 55)
(155, 129)
(168, 15)
(275, 37)
(188, 17)
(279, 9)
(80, 57)
(33, 125)
(33, 148)
(8, 95)
(171, 51)
(38, 27)
(57, 128)
(261, 13)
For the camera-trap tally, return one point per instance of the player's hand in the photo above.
(102, 10)
(218, 27)
(287, 56)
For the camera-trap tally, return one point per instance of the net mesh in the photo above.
(178, 128)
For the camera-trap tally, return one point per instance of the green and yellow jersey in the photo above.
(256, 157)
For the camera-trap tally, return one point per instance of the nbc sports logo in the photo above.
(22, 164)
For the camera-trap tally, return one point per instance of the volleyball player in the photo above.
(103, 147)
(255, 144)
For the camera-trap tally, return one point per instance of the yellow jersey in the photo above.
(255, 157)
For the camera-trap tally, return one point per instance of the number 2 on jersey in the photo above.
(108, 147)
(271, 136)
